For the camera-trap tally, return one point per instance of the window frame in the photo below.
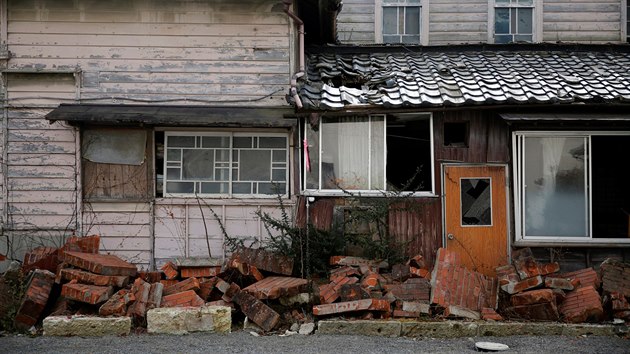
(424, 19)
(231, 134)
(537, 15)
(375, 192)
(518, 161)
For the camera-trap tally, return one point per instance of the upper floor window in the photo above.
(513, 21)
(225, 164)
(628, 22)
(402, 21)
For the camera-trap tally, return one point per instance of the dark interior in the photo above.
(408, 154)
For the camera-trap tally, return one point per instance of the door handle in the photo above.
(450, 236)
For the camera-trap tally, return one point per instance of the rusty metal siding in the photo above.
(320, 213)
(419, 228)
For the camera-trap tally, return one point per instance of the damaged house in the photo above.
(157, 124)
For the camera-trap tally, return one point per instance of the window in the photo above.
(571, 186)
(628, 23)
(369, 154)
(225, 164)
(456, 134)
(513, 21)
(402, 21)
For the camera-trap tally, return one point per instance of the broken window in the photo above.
(369, 154)
(224, 164)
(402, 21)
(570, 186)
(476, 201)
(513, 21)
(115, 164)
(456, 134)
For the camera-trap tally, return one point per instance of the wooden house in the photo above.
(516, 113)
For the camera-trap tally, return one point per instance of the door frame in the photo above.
(508, 199)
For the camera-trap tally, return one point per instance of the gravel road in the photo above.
(244, 342)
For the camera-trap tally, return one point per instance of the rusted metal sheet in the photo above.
(418, 227)
(320, 213)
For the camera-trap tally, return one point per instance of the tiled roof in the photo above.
(451, 78)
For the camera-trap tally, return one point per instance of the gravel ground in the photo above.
(244, 342)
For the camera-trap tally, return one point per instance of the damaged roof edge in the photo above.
(218, 116)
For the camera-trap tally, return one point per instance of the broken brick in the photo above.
(533, 297)
(90, 294)
(420, 272)
(100, 263)
(549, 268)
(507, 274)
(416, 306)
(489, 314)
(206, 286)
(586, 277)
(559, 283)
(183, 299)
(275, 287)
(155, 296)
(351, 292)
(169, 282)
(459, 311)
(118, 281)
(414, 289)
(371, 281)
(255, 310)
(343, 272)
(264, 260)
(356, 262)
(350, 306)
(170, 270)
(582, 305)
(615, 277)
(329, 293)
(46, 258)
(417, 261)
(546, 311)
(525, 263)
(184, 285)
(618, 302)
(117, 304)
(199, 272)
(401, 272)
(527, 284)
(85, 244)
(150, 277)
(140, 290)
(38, 289)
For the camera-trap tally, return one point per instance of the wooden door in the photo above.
(475, 215)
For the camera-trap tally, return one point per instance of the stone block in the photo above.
(86, 326)
(212, 319)
(100, 263)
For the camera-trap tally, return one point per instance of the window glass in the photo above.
(502, 21)
(412, 20)
(401, 22)
(555, 186)
(390, 20)
(205, 164)
(524, 21)
(513, 21)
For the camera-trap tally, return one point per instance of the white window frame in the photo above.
(424, 18)
(231, 135)
(372, 192)
(537, 19)
(518, 157)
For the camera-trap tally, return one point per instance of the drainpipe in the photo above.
(300, 73)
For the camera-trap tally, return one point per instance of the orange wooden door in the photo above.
(475, 215)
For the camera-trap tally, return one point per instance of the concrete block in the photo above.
(86, 326)
(217, 319)
(450, 329)
(360, 327)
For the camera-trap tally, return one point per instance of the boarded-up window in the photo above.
(115, 164)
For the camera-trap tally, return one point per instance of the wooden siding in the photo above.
(177, 51)
(582, 21)
(355, 22)
(456, 22)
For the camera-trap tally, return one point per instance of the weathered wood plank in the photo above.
(52, 135)
(39, 159)
(41, 196)
(41, 184)
(41, 171)
(38, 147)
(36, 207)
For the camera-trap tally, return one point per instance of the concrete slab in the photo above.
(449, 329)
(360, 327)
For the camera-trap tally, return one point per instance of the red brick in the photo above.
(582, 305)
(264, 260)
(140, 290)
(86, 244)
(401, 272)
(100, 263)
(549, 268)
(351, 292)
(489, 314)
(546, 311)
(220, 303)
(420, 272)
(527, 284)
(351, 306)
(169, 282)
(615, 277)
(533, 297)
(118, 281)
(261, 314)
(184, 299)
(417, 261)
(356, 262)
(371, 281)
(206, 286)
(414, 289)
(232, 290)
(46, 258)
(507, 274)
(525, 264)
(618, 302)
(35, 298)
(184, 285)
(330, 293)
(586, 277)
(559, 283)
(199, 272)
(155, 296)
(117, 304)
(275, 287)
(150, 277)
(343, 272)
(170, 270)
(90, 294)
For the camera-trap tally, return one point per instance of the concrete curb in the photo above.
(457, 329)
